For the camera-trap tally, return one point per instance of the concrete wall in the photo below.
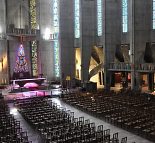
(112, 29)
(139, 31)
(46, 16)
(46, 46)
(18, 13)
(47, 60)
(2, 16)
(142, 26)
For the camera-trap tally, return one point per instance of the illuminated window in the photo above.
(99, 17)
(125, 15)
(21, 63)
(77, 18)
(56, 41)
(153, 17)
(56, 14)
(34, 48)
(33, 13)
(56, 58)
(34, 57)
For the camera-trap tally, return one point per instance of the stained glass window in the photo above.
(56, 58)
(77, 18)
(99, 17)
(125, 15)
(56, 14)
(34, 49)
(21, 63)
(33, 13)
(56, 41)
(34, 56)
(153, 13)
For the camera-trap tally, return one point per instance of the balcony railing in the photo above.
(18, 31)
(120, 66)
(146, 67)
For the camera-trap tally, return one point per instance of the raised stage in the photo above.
(23, 95)
(29, 94)
(22, 82)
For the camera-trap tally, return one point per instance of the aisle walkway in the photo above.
(32, 134)
(122, 133)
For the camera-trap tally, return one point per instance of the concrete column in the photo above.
(112, 32)
(140, 23)
(67, 39)
(137, 81)
(132, 43)
(88, 19)
(46, 46)
(2, 16)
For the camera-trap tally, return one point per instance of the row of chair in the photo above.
(58, 125)
(10, 130)
(128, 110)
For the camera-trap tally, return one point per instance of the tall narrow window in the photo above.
(125, 15)
(33, 13)
(77, 18)
(34, 55)
(34, 47)
(99, 17)
(153, 13)
(56, 42)
(21, 63)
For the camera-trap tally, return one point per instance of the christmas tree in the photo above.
(21, 68)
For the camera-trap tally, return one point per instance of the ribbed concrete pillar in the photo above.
(88, 19)
(67, 49)
(132, 43)
(112, 32)
(139, 27)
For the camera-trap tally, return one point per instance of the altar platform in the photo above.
(29, 94)
(23, 95)
(22, 82)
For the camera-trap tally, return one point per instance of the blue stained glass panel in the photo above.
(153, 14)
(56, 42)
(77, 18)
(99, 17)
(125, 15)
